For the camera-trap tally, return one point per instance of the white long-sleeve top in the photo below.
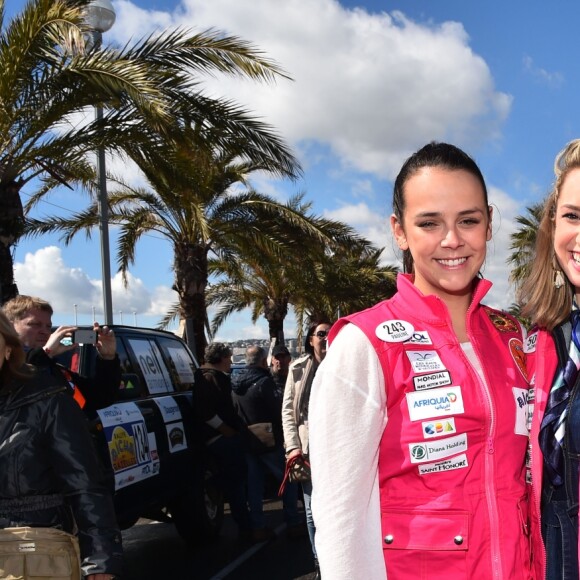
(347, 417)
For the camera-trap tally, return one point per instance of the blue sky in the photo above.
(373, 81)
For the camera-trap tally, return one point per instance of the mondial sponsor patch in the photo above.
(441, 379)
(421, 452)
(438, 428)
(424, 361)
(458, 462)
(434, 403)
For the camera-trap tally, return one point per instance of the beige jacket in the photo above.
(294, 423)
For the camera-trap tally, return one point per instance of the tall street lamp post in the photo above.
(100, 17)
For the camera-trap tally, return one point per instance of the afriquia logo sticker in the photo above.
(434, 403)
(394, 331)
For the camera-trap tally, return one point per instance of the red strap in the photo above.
(289, 465)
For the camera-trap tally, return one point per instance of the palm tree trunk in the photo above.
(275, 311)
(11, 227)
(190, 275)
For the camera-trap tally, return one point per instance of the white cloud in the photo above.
(552, 79)
(372, 87)
(45, 274)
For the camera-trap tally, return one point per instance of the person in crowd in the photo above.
(32, 319)
(255, 401)
(295, 408)
(280, 364)
(550, 296)
(222, 429)
(417, 416)
(50, 476)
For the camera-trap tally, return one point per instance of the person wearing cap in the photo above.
(295, 408)
(280, 364)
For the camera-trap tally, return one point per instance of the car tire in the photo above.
(198, 515)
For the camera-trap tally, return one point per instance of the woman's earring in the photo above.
(558, 279)
(7, 355)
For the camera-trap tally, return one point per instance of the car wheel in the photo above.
(198, 515)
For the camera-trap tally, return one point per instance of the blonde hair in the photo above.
(14, 366)
(545, 304)
(18, 307)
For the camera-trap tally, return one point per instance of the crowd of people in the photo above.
(429, 436)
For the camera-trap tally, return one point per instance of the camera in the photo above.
(84, 336)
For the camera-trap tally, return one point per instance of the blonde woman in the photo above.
(551, 295)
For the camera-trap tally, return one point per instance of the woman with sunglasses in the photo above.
(419, 412)
(295, 407)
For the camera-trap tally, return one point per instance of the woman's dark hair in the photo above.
(431, 155)
(308, 348)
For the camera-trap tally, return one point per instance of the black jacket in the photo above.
(213, 396)
(99, 392)
(255, 400)
(49, 472)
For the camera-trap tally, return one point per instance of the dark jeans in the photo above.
(560, 506)
(258, 466)
(228, 453)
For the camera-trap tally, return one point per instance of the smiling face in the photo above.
(445, 226)
(567, 229)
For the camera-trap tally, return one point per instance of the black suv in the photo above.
(149, 441)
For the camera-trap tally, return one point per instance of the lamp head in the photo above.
(100, 15)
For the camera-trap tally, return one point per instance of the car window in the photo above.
(181, 364)
(151, 365)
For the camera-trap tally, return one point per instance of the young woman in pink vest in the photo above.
(419, 412)
(551, 296)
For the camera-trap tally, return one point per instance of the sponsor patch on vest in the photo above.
(517, 351)
(422, 382)
(394, 330)
(424, 361)
(502, 322)
(530, 343)
(522, 400)
(458, 462)
(27, 547)
(420, 337)
(434, 403)
(422, 452)
(438, 428)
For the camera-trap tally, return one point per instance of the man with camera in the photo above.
(32, 319)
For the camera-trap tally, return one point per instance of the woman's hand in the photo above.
(292, 454)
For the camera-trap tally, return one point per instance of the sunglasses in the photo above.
(321, 333)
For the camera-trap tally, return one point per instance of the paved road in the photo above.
(154, 551)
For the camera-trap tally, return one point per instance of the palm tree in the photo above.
(321, 284)
(523, 242)
(49, 75)
(191, 203)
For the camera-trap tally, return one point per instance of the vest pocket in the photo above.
(426, 542)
